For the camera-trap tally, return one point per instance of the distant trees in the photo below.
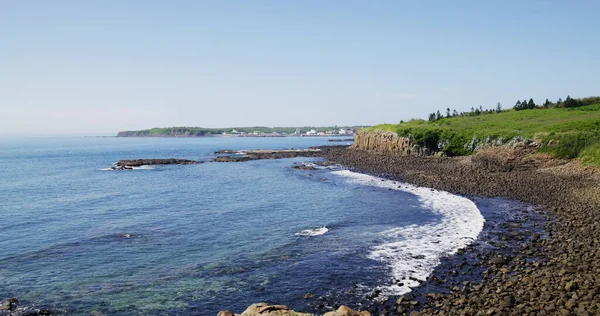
(432, 117)
(519, 106)
(454, 113)
(567, 103)
(572, 103)
(525, 105)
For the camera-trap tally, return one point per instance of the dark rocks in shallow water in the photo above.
(130, 164)
(9, 304)
(337, 140)
(10, 307)
(226, 152)
(304, 167)
(273, 154)
(230, 159)
(373, 294)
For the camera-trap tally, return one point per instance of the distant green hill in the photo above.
(564, 132)
(199, 131)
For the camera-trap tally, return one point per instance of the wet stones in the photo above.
(9, 304)
(265, 309)
(11, 307)
(373, 294)
(347, 311)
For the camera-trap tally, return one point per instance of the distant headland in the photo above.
(254, 131)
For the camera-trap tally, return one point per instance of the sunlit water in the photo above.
(196, 239)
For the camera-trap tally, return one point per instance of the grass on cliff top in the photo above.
(575, 131)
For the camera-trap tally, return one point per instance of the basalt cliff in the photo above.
(389, 142)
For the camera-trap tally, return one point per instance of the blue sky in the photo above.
(96, 67)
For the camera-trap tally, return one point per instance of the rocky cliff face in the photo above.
(382, 141)
(388, 142)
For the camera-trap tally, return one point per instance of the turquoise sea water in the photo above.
(189, 239)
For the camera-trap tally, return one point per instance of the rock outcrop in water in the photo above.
(130, 164)
(10, 307)
(246, 155)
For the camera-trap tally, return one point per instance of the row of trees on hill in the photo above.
(519, 106)
(474, 112)
(567, 103)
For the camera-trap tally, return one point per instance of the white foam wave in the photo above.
(416, 250)
(313, 232)
(144, 167)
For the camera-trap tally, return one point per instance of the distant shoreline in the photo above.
(221, 135)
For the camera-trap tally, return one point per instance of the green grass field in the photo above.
(575, 132)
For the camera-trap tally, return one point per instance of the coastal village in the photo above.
(253, 131)
(298, 132)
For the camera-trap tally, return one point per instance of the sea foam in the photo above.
(313, 232)
(417, 250)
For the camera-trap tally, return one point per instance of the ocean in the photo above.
(77, 237)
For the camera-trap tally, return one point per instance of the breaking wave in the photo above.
(416, 249)
(313, 232)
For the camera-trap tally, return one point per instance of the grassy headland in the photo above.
(565, 132)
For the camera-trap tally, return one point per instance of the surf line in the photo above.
(417, 249)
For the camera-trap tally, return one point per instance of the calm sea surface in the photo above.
(196, 239)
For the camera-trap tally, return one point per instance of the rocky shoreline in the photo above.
(537, 258)
(557, 275)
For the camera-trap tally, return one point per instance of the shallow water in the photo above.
(196, 239)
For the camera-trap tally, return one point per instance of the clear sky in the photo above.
(97, 67)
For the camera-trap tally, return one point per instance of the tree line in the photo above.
(474, 112)
(567, 103)
(519, 106)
